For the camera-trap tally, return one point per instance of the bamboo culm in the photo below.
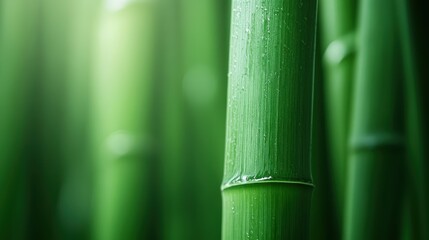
(267, 179)
(417, 172)
(19, 25)
(338, 21)
(376, 154)
(122, 119)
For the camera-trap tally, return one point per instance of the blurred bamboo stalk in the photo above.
(122, 126)
(19, 50)
(338, 20)
(417, 171)
(204, 84)
(75, 196)
(46, 136)
(192, 117)
(324, 221)
(176, 221)
(376, 176)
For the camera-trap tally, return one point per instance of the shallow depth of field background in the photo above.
(79, 158)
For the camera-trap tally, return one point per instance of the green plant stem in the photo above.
(19, 22)
(47, 159)
(204, 88)
(375, 184)
(415, 140)
(267, 179)
(324, 223)
(123, 141)
(338, 20)
(75, 197)
(176, 220)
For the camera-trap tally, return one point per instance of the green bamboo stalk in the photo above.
(122, 119)
(204, 86)
(176, 221)
(338, 19)
(192, 127)
(267, 180)
(75, 196)
(324, 223)
(415, 140)
(18, 51)
(417, 15)
(375, 183)
(407, 232)
(46, 162)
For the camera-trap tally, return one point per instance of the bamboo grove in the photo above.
(209, 119)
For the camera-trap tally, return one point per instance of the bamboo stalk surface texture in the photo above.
(267, 179)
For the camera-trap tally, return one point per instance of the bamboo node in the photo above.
(340, 49)
(246, 180)
(376, 141)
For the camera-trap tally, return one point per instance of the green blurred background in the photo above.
(112, 118)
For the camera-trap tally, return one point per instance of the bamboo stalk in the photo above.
(74, 208)
(324, 223)
(414, 112)
(176, 220)
(204, 87)
(267, 181)
(122, 119)
(18, 51)
(417, 15)
(46, 162)
(192, 125)
(375, 183)
(338, 20)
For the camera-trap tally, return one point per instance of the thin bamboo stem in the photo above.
(176, 221)
(18, 49)
(324, 221)
(338, 20)
(46, 162)
(204, 87)
(414, 126)
(123, 140)
(74, 208)
(375, 184)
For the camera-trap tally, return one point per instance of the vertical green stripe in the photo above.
(123, 141)
(269, 119)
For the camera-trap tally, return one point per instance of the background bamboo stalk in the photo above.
(204, 88)
(267, 180)
(375, 183)
(322, 207)
(123, 137)
(193, 96)
(48, 112)
(176, 222)
(74, 208)
(338, 25)
(417, 191)
(18, 49)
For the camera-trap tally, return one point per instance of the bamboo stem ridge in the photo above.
(269, 120)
